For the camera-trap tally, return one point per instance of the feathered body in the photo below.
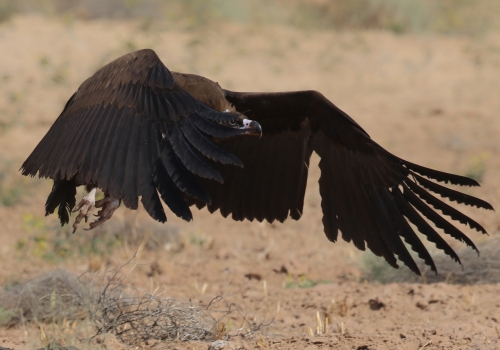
(136, 130)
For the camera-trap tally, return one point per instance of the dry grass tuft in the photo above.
(340, 308)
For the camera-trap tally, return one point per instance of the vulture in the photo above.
(137, 130)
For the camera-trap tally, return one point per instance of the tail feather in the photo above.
(63, 194)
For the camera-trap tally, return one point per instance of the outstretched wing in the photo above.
(367, 193)
(132, 131)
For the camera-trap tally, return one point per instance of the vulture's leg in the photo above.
(84, 206)
(108, 205)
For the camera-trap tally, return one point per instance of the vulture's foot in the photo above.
(85, 205)
(108, 205)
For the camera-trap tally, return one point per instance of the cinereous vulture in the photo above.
(136, 130)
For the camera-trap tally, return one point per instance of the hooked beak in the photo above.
(252, 127)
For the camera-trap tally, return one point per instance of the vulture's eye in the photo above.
(232, 122)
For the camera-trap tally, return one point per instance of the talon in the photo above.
(109, 205)
(84, 206)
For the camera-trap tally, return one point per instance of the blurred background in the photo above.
(442, 16)
(420, 76)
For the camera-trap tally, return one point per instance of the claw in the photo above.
(84, 206)
(108, 205)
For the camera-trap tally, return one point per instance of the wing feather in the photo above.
(180, 176)
(129, 190)
(104, 128)
(439, 221)
(440, 176)
(404, 230)
(389, 232)
(206, 146)
(189, 158)
(431, 234)
(118, 164)
(73, 154)
(99, 138)
(453, 195)
(147, 188)
(445, 208)
(170, 194)
(360, 181)
(107, 169)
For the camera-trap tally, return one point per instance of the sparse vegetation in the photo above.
(13, 187)
(443, 16)
(133, 315)
(51, 242)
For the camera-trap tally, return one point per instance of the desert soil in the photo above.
(433, 100)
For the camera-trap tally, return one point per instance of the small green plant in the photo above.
(5, 316)
(199, 239)
(44, 62)
(477, 167)
(60, 75)
(15, 97)
(375, 268)
(130, 45)
(9, 196)
(303, 282)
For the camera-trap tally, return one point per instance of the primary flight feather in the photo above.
(136, 130)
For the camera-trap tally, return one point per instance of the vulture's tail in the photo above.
(63, 195)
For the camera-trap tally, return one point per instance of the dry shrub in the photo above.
(138, 317)
(53, 296)
(134, 316)
(474, 270)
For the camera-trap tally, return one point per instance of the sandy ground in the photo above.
(431, 100)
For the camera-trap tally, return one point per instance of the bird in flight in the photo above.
(137, 130)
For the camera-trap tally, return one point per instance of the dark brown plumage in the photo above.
(134, 129)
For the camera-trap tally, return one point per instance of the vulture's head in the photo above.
(240, 121)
